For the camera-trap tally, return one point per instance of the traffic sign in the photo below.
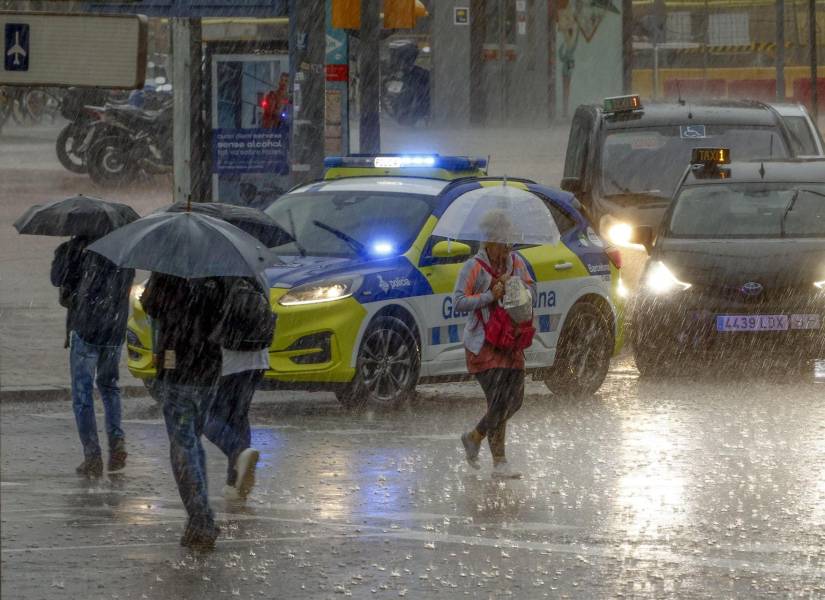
(57, 49)
(16, 47)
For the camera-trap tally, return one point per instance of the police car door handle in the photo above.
(563, 266)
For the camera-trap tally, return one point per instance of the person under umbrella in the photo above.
(189, 255)
(96, 295)
(499, 217)
(480, 286)
(244, 335)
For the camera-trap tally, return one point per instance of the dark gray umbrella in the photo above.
(187, 244)
(255, 222)
(79, 215)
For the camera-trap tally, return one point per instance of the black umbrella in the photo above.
(79, 215)
(255, 222)
(186, 245)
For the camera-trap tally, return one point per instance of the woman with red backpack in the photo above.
(494, 343)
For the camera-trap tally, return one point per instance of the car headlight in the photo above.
(320, 291)
(617, 232)
(820, 284)
(660, 280)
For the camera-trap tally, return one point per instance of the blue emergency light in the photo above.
(406, 161)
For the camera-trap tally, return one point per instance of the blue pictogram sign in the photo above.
(16, 47)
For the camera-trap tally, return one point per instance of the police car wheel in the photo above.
(386, 368)
(583, 353)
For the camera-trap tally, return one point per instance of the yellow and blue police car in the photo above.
(364, 300)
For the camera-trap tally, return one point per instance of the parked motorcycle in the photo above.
(80, 107)
(137, 142)
(405, 89)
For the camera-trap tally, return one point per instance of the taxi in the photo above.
(737, 265)
(625, 158)
(364, 294)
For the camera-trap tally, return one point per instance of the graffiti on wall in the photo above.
(575, 19)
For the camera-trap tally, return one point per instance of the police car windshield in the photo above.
(350, 223)
(749, 210)
(650, 161)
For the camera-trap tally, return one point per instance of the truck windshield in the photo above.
(650, 161)
(759, 210)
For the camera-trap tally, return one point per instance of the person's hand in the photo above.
(498, 290)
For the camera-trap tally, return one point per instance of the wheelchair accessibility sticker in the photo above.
(692, 132)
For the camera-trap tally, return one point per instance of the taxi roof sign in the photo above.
(710, 156)
(617, 104)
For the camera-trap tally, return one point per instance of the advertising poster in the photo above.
(250, 128)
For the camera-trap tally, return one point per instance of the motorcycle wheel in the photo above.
(70, 138)
(110, 163)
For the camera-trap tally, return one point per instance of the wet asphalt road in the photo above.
(679, 488)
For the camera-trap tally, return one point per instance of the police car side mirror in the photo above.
(445, 249)
(643, 236)
(571, 184)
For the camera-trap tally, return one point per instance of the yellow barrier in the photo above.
(643, 78)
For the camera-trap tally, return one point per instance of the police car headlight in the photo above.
(660, 280)
(321, 291)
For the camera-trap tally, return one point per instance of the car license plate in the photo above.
(752, 323)
(806, 322)
(395, 87)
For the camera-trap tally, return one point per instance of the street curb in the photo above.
(54, 394)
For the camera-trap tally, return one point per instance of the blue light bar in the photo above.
(402, 161)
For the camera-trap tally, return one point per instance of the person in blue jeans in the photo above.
(185, 313)
(96, 294)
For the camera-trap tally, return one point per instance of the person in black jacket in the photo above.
(96, 294)
(185, 314)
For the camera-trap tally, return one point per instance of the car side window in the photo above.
(564, 221)
(577, 144)
(801, 136)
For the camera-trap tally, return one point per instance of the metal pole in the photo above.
(780, 50)
(369, 73)
(655, 69)
(182, 99)
(307, 54)
(627, 46)
(812, 46)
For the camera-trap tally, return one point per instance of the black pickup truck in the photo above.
(624, 160)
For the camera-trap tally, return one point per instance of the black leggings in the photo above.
(504, 389)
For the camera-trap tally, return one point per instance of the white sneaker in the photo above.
(230, 493)
(503, 470)
(245, 466)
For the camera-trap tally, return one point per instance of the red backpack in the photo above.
(500, 331)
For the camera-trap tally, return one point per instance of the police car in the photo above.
(364, 298)
(738, 264)
(625, 158)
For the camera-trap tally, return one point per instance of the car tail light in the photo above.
(615, 256)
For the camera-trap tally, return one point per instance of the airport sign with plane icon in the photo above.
(16, 47)
(64, 49)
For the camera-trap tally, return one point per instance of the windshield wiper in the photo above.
(359, 248)
(301, 250)
(788, 209)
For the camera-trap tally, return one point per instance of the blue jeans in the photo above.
(90, 364)
(184, 410)
(227, 425)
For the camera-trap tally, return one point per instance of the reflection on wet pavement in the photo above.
(651, 489)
